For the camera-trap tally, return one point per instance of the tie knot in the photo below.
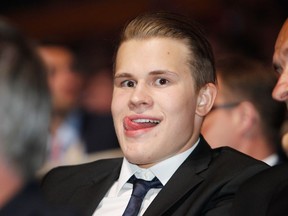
(141, 186)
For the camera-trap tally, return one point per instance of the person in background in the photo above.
(24, 115)
(267, 192)
(164, 86)
(98, 91)
(66, 84)
(245, 116)
(98, 132)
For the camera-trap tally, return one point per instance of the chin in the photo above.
(136, 159)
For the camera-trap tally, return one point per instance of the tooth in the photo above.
(146, 121)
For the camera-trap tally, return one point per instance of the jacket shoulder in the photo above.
(81, 173)
(234, 164)
(236, 157)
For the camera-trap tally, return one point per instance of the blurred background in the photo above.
(91, 29)
(248, 25)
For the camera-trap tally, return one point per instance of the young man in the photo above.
(163, 87)
(267, 193)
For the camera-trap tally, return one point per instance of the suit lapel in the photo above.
(185, 179)
(89, 195)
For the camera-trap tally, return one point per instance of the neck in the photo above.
(257, 148)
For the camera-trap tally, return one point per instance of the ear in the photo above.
(205, 99)
(246, 118)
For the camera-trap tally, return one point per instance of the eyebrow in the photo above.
(152, 73)
(159, 72)
(121, 75)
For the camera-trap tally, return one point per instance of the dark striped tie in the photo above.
(140, 189)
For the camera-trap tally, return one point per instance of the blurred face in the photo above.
(64, 82)
(280, 62)
(98, 93)
(154, 103)
(219, 127)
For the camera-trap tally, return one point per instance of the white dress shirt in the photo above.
(272, 160)
(117, 198)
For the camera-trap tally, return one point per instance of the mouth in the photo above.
(131, 124)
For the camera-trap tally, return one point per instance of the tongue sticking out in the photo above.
(137, 125)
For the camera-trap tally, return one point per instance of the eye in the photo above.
(128, 83)
(277, 68)
(161, 81)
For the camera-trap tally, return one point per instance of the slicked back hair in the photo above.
(176, 26)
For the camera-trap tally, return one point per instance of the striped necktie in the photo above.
(140, 189)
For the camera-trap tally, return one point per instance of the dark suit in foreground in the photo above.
(204, 184)
(31, 202)
(264, 194)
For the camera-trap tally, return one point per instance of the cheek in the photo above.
(114, 107)
(182, 114)
(118, 103)
(180, 101)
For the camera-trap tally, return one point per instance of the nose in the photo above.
(280, 91)
(141, 98)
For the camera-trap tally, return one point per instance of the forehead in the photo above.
(282, 38)
(165, 50)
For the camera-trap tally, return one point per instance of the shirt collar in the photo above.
(271, 160)
(163, 170)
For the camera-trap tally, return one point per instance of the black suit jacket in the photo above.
(204, 184)
(264, 194)
(31, 202)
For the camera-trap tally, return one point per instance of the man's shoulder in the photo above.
(80, 172)
(280, 170)
(227, 162)
(228, 153)
(98, 164)
(232, 162)
(30, 201)
(272, 184)
(227, 156)
(270, 177)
